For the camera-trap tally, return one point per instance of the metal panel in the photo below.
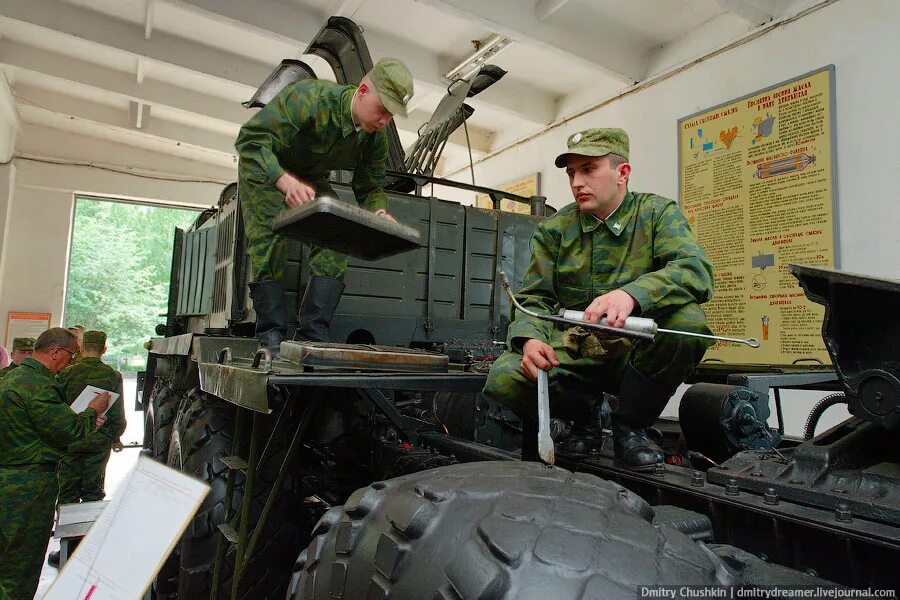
(198, 270)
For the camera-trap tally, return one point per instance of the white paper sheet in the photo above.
(135, 533)
(87, 394)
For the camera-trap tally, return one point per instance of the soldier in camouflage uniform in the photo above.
(286, 153)
(83, 468)
(78, 332)
(614, 253)
(36, 426)
(22, 349)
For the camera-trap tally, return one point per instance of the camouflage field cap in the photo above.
(394, 84)
(95, 338)
(23, 345)
(595, 142)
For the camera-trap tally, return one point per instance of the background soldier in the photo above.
(82, 471)
(83, 468)
(78, 332)
(36, 426)
(22, 348)
(286, 151)
(613, 253)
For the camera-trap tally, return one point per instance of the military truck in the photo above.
(372, 466)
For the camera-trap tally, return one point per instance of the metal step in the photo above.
(235, 463)
(229, 532)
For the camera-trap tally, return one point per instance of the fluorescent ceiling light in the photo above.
(488, 50)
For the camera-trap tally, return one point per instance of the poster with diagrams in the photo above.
(756, 182)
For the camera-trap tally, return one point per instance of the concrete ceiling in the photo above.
(92, 66)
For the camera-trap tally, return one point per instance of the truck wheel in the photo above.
(158, 420)
(204, 437)
(495, 530)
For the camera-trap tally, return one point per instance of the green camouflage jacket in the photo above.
(646, 248)
(307, 129)
(92, 371)
(36, 423)
(7, 370)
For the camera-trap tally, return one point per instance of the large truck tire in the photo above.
(159, 418)
(496, 530)
(204, 436)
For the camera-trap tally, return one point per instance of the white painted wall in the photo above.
(39, 205)
(860, 38)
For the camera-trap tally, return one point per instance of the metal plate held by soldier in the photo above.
(345, 228)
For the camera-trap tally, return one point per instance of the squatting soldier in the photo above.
(83, 468)
(286, 153)
(613, 253)
(36, 426)
(22, 348)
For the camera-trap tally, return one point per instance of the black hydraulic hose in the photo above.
(818, 410)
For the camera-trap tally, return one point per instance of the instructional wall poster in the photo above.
(756, 182)
(25, 324)
(527, 187)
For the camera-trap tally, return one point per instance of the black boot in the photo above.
(317, 308)
(641, 400)
(271, 318)
(53, 559)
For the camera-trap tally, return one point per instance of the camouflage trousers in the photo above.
(82, 473)
(27, 503)
(267, 250)
(668, 360)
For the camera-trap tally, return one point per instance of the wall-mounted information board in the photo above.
(757, 183)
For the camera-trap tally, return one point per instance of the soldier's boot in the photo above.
(53, 559)
(583, 436)
(271, 317)
(320, 300)
(641, 400)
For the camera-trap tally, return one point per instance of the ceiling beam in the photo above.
(148, 18)
(9, 120)
(544, 9)
(43, 107)
(294, 25)
(603, 48)
(129, 39)
(47, 69)
(746, 11)
(78, 73)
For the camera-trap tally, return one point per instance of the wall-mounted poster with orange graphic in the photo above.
(756, 182)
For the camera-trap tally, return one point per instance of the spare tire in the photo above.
(496, 530)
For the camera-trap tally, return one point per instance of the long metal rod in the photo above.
(282, 472)
(645, 333)
(246, 502)
(229, 496)
(618, 332)
(752, 342)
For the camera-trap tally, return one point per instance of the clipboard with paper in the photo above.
(88, 393)
(130, 540)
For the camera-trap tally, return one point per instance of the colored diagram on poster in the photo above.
(762, 127)
(756, 185)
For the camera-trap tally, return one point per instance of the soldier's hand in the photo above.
(118, 446)
(101, 419)
(385, 215)
(296, 191)
(537, 355)
(99, 403)
(616, 306)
